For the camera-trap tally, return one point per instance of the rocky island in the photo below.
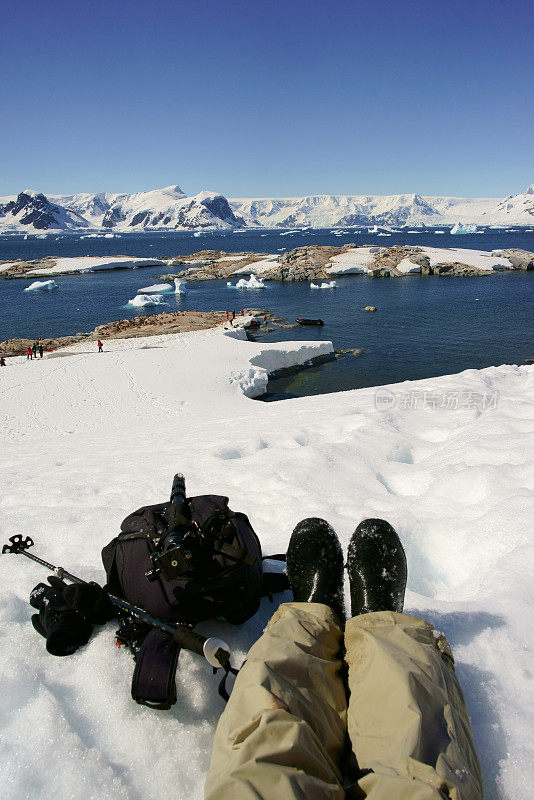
(300, 264)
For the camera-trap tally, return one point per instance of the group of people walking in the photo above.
(31, 351)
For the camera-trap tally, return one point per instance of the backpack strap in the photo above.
(274, 582)
(153, 682)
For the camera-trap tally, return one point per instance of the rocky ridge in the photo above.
(156, 324)
(310, 263)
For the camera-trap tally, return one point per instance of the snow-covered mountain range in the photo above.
(320, 211)
(169, 208)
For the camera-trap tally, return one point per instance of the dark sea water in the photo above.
(424, 326)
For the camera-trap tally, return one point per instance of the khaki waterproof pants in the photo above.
(283, 734)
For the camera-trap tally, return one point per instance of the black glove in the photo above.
(88, 599)
(65, 630)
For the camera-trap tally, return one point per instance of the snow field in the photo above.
(408, 267)
(88, 437)
(256, 267)
(352, 262)
(475, 258)
(92, 264)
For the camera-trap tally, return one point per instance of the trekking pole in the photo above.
(215, 651)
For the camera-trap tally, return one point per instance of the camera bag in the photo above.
(230, 583)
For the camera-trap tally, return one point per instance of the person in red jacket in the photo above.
(100, 346)
(29, 353)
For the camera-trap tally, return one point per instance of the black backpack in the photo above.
(221, 560)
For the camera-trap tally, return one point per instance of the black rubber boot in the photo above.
(377, 569)
(315, 565)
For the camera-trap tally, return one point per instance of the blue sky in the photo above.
(267, 99)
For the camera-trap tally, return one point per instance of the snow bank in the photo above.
(481, 259)
(352, 262)
(407, 267)
(38, 286)
(448, 461)
(156, 287)
(142, 300)
(258, 267)
(330, 285)
(94, 263)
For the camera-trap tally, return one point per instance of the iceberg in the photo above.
(459, 228)
(179, 286)
(330, 285)
(156, 287)
(39, 286)
(142, 300)
(252, 283)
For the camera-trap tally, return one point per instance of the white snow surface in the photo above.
(258, 267)
(92, 264)
(352, 262)
(88, 437)
(408, 267)
(475, 258)
(39, 286)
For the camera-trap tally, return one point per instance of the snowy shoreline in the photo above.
(88, 437)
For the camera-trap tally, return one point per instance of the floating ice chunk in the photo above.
(39, 286)
(252, 283)
(141, 300)
(460, 228)
(156, 287)
(179, 286)
(330, 285)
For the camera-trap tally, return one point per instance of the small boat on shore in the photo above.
(304, 321)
